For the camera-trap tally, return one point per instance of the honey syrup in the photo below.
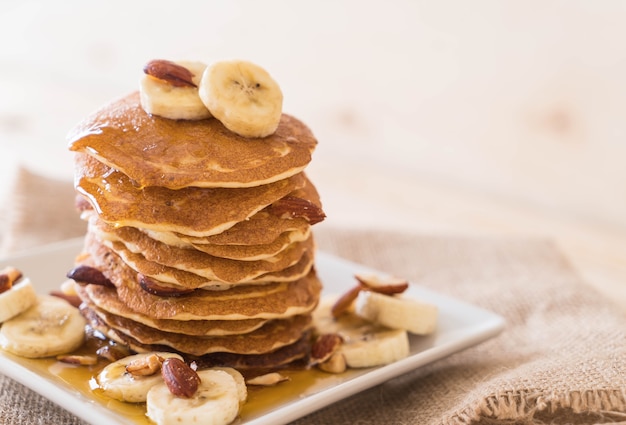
(260, 401)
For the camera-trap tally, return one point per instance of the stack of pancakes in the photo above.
(204, 235)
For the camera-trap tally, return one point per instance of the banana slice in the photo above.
(242, 96)
(216, 402)
(397, 312)
(160, 97)
(365, 344)
(376, 348)
(242, 389)
(19, 298)
(49, 328)
(121, 385)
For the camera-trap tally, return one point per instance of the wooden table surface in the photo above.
(480, 118)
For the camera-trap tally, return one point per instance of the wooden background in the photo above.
(447, 117)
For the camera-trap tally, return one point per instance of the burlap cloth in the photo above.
(561, 359)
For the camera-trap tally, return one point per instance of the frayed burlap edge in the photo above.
(520, 407)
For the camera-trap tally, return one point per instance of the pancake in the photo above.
(191, 211)
(271, 336)
(106, 299)
(261, 228)
(176, 278)
(233, 252)
(279, 358)
(289, 355)
(255, 252)
(264, 226)
(137, 249)
(175, 154)
(268, 301)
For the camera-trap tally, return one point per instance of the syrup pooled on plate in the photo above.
(260, 401)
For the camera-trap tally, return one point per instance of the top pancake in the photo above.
(155, 151)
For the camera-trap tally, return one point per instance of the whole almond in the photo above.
(170, 72)
(181, 380)
(8, 276)
(89, 275)
(324, 347)
(294, 207)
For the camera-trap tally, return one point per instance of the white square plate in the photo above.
(460, 326)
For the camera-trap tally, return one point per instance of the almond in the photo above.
(170, 72)
(8, 276)
(151, 287)
(145, 366)
(5, 283)
(181, 380)
(294, 207)
(113, 352)
(87, 275)
(324, 347)
(73, 300)
(267, 380)
(76, 359)
(336, 364)
(386, 286)
(344, 303)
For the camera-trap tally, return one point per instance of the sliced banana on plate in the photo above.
(215, 402)
(365, 344)
(397, 312)
(170, 90)
(18, 298)
(118, 383)
(242, 96)
(242, 388)
(376, 347)
(49, 328)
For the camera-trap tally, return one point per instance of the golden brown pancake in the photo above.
(106, 299)
(191, 211)
(267, 301)
(172, 277)
(255, 252)
(279, 358)
(267, 252)
(136, 248)
(234, 252)
(262, 228)
(155, 151)
(271, 336)
(166, 276)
